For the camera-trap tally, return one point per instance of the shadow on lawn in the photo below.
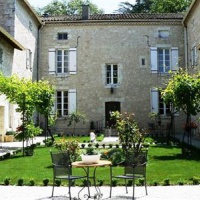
(175, 156)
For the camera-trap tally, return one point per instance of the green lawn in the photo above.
(164, 162)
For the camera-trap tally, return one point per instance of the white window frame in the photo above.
(64, 54)
(72, 61)
(156, 101)
(61, 110)
(68, 97)
(165, 68)
(110, 74)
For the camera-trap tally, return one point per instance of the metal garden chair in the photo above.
(62, 169)
(134, 168)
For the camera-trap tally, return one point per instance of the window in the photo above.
(62, 36)
(164, 59)
(111, 74)
(158, 105)
(1, 56)
(28, 59)
(193, 59)
(65, 102)
(62, 61)
(62, 103)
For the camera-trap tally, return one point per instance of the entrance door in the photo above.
(111, 107)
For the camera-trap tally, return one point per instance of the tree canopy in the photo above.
(183, 91)
(69, 7)
(30, 97)
(155, 6)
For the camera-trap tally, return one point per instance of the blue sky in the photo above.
(109, 6)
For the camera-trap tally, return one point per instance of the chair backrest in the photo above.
(136, 163)
(61, 163)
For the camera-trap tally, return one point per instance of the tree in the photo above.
(70, 7)
(155, 6)
(74, 118)
(169, 6)
(183, 92)
(30, 97)
(138, 7)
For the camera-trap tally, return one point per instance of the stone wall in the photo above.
(124, 44)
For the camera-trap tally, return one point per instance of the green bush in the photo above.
(166, 182)
(45, 181)
(7, 181)
(20, 182)
(31, 182)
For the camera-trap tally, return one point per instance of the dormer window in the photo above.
(62, 36)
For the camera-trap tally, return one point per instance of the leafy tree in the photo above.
(183, 92)
(169, 6)
(130, 135)
(30, 97)
(70, 7)
(75, 118)
(155, 6)
(138, 7)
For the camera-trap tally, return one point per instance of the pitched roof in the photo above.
(7, 37)
(115, 17)
(32, 11)
(193, 5)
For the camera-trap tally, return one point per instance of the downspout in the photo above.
(186, 47)
(38, 51)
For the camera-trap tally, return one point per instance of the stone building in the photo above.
(19, 36)
(102, 63)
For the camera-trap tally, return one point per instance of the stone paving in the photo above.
(60, 193)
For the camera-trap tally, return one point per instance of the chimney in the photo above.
(85, 12)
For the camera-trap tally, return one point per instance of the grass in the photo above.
(164, 163)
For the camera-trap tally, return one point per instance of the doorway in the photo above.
(111, 106)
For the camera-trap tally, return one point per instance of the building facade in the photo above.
(110, 62)
(103, 63)
(18, 52)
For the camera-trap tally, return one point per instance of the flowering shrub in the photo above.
(70, 146)
(130, 135)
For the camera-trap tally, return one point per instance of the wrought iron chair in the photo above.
(134, 168)
(62, 169)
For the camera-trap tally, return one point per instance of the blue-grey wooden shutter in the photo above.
(72, 100)
(72, 61)
(154, 59)
(174, 58)
(154, 100)
(52, 61)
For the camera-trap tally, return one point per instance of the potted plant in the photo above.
(91, 156)
(70, 146)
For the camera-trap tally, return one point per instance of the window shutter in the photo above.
(154, 100)
(72, 60)
(154, 60)
(174, 58)
(195, 55)
(52, 61)
(53, 108)
(72, 101)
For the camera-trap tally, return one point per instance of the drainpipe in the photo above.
(38, 51)
(186, 47)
